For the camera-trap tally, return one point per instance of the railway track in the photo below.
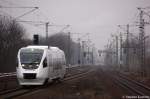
(130, 88)
(6, 78)
(19, 92)
(134, 87)
(14, 93)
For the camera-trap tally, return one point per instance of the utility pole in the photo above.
(69, 48)
(142, 44)
(116, 50)
(46, 25)
(127, 48)
(83, 53)
(88, 50)
(88, 54)
(93, 54)
(121, 51)
(79, 51)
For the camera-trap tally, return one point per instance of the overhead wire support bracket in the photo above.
(17, 7)
(26, 13)
(33, 9)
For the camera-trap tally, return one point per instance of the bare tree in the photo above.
(11, 39)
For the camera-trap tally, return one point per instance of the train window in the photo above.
(31, 56)
(45, 62)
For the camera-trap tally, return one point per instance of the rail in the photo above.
(2, 75)
(133, 86)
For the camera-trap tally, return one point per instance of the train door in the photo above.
(63, 69)
(59, 66)
(49, 58)
(54, 67)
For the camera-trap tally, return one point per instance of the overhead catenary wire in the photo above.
(27, 13)
(16, 7)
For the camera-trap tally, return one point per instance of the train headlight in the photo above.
(22, 65)
(30, 66)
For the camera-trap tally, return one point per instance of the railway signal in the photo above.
(35, 39)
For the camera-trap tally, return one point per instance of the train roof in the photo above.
(43, 47)
(37, 46)
(53, 49)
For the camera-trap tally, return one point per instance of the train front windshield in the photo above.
(31, 56)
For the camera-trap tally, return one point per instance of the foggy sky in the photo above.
(97, 17)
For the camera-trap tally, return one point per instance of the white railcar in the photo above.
(40, 64)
